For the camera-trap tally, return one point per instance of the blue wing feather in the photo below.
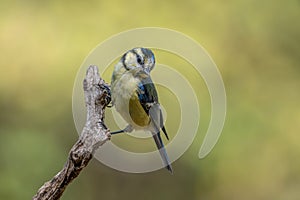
(148, 98)
(148, 94)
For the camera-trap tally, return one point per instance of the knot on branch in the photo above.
(80, 155)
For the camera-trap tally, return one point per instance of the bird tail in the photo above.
(162, 151)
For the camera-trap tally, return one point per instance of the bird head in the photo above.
(139, 58)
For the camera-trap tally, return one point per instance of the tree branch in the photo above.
(93, 135)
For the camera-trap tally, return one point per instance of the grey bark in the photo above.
(93, 135)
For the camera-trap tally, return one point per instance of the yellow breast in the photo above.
(137, 112)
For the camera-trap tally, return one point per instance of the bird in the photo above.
(135, 97)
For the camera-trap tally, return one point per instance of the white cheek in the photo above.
(130, 61)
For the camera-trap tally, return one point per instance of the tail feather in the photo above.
(162, 151)
(165, 132)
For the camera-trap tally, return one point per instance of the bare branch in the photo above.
(93, 135)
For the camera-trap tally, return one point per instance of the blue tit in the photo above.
(135, 97)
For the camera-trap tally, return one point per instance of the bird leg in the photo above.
(127, 129)
(116, 132)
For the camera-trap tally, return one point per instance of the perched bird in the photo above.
(135, 97)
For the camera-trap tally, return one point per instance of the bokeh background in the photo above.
(255, 45)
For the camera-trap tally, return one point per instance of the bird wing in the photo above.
(148, 99)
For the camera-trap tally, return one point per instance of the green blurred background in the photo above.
(255, 45)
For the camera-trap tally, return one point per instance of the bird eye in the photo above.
(139, 60)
